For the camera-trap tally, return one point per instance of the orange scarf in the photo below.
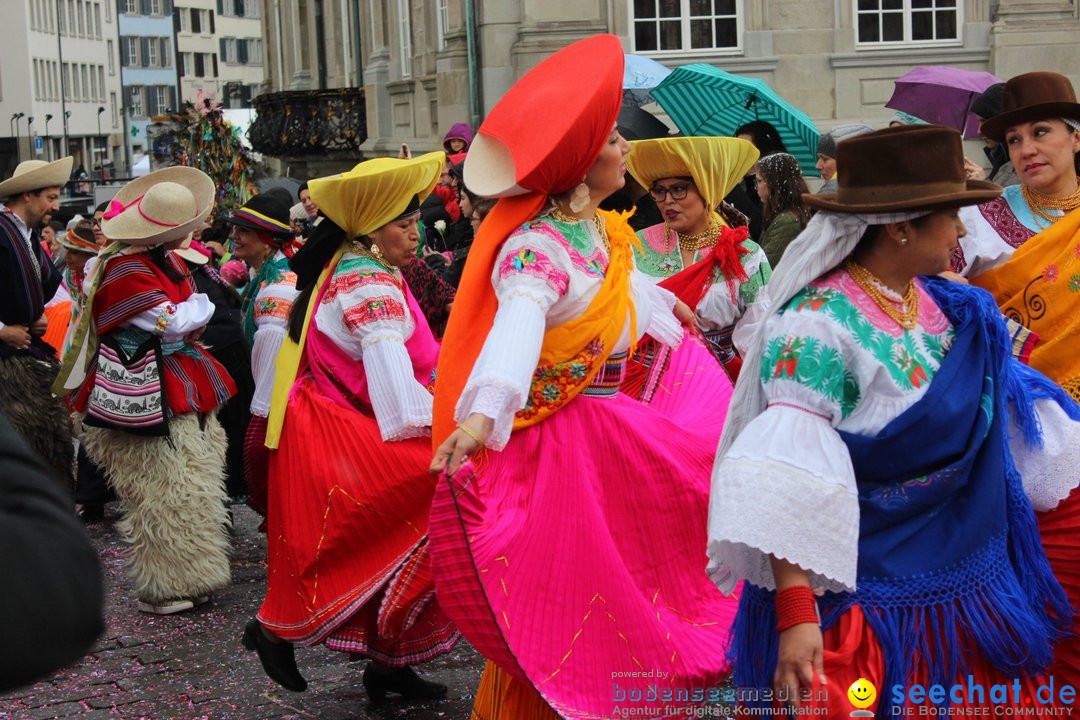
(588, 339)
(1039, 287)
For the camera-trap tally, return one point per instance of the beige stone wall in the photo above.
(805, 49)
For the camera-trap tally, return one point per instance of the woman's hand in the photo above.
(684, 314)
(973, 171)
(194, 335)
(470, 436)
(799, 662)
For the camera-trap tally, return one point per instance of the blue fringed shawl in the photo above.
(949, 548)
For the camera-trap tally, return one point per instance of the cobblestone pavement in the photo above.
(192, 666)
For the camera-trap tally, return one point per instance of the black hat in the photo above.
(265, 212)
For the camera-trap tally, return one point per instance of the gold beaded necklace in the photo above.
(560, 216)
(1037, 202)
(907, 315)
(359, 248)
(692, 242)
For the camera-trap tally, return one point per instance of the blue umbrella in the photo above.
(704, 100)
(640, 75)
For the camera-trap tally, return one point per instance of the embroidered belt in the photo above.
(720, 345)
(608, 379)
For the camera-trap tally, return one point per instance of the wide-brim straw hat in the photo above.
(189, 251)
(80, 238)
(909, 167)
(35, 175)
(376, 192)
(1030, 97)
(716, 164)
(163, 206)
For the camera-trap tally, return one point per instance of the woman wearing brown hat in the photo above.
(866, 488)
(149, 391)
(1040, 126)
(1037, 284)
(263, 238)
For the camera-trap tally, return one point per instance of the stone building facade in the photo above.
(426, 64)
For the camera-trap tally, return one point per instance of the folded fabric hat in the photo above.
(716, 164)
(165, 205)
(911, 167)
(80, 237)
(827, 143)
(35, 175)
(377, 191)
(297, 213)
(906, 119)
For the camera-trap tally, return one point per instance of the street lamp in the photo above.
(15, 120)
(100, 159)
(48, 144)
(30, 135)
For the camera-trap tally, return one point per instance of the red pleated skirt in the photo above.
(348, 562)
(1060, 529)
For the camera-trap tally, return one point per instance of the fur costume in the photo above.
(174, 505)
(40, 418)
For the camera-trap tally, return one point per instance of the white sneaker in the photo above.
(166, 607)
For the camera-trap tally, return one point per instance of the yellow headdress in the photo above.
(716, 164)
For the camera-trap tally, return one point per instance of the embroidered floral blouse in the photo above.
(266, 317)
(833, 362)
(717, 310)
(995, 230)
(365, 313)
(547, 273)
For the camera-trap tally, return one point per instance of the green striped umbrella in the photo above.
(704, 100)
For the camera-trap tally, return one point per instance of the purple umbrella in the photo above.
(942, 95)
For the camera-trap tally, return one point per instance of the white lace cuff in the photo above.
(785, 489)
(402, 405)
(502, 375)
(1051, 472)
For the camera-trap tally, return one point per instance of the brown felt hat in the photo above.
(1030, 97)
(910, 167)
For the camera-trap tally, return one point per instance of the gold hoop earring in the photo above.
(903, 241)
(579, 199)
(376, 251)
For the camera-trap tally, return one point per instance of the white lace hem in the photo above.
(1051, 472)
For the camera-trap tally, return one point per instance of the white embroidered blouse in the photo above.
(547, 273)
(272, 306)
(365, 313)
(834, 362)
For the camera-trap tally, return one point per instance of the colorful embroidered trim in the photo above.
(373, 310)
(608, 378)
(553, 383)
(532, 262)
(163, 319)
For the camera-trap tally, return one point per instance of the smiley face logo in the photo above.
(862, 693)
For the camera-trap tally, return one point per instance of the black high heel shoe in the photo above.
(278, 659)
(403, 681)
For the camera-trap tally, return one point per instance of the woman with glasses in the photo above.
(689, 177)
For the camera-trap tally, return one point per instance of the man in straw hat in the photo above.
(153, 431)
(28, 279)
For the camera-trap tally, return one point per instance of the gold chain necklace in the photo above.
(359, 248)
(560, 216)
(692, 242)
(1037, 201)
(907, 315)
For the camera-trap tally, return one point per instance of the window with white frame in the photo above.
(101, 82)
(109, 52)
(97, 20)
(152, 58)
(131, 51)
(74, 83)
(185, 19)
(155, 7)
(164, 98)
(442, 21)
(65, 76)
(251, 8)
(405, 34)
(135, 101)
(108, 12)
(112, 106)
(131, 7)
(85, 84)
(880, 22)
(93, 85)
(81, 13)
(686, 26)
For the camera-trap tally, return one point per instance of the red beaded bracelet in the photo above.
(795, 605)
